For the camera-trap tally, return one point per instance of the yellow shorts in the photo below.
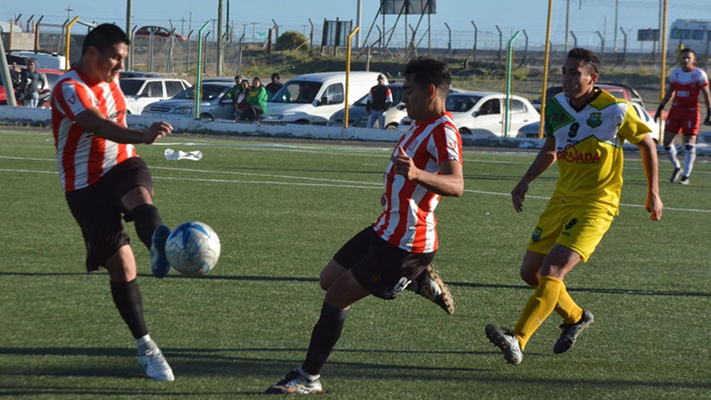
(575, 225)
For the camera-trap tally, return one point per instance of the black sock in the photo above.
(147, 220)
(127, 297)
(324, 338)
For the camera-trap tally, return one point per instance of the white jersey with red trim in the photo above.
(82, 157)
(687, 85)
(408, 219)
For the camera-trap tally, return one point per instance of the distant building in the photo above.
(693, 33)
(5, 27)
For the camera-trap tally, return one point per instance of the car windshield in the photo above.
(302, 92)
(130, 87)
(209, 92)
(461, 103)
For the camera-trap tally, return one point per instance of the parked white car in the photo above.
(531, 130)
(314, 98)
(480, 113)
(141, 92)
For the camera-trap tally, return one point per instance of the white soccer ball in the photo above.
(193, 248)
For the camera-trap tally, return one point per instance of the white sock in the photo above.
(143, 340)
(671, 153)
(308, 376)
(689, 157)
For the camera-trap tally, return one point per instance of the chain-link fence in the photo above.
(626, 35)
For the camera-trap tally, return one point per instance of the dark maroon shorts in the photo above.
(385, 270)
(97, 209)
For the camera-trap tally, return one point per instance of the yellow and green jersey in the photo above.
(589, 146)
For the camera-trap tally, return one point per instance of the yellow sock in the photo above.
(538, 308)
(566, 308)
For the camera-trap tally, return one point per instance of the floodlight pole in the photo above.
(67, 44)
(509, 63)
(5, 78)
(348, 74)
(219, 37)
(546, 65)
(575, 41)
(129, 11)
(198, 83)
(476, 32)
(359, 16)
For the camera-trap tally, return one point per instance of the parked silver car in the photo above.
(213, 105)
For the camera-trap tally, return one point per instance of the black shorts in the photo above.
(97, 209)
(385, 270)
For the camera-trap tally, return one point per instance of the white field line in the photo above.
(337, 184)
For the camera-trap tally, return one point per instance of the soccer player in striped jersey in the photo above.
(385, 258)
(585, 127)
(103, 178)
(685, 83)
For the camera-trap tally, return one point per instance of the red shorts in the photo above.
(684, 121)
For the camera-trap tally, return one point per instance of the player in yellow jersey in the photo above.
(585, 128)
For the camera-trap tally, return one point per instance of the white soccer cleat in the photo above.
(156, 366)
(507, 342)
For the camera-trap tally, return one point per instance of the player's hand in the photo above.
(658, 114)
(157, 131)
(383, 200)
(405, 166)
(654, 205)
(518, 194)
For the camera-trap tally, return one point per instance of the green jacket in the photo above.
(258, 97)
(234, 92)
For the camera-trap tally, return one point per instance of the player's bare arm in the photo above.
(653, 203)
(544, 159)
(450, 182)
(707, 99)
(92, 121)
(665, 100)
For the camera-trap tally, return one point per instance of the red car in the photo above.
(52, 77)
(158, 31)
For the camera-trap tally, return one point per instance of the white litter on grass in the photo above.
(170, 154)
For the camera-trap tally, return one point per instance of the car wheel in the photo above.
(391, 127)
(464, 131)
(207, 116)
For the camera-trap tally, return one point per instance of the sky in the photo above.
(588, 19)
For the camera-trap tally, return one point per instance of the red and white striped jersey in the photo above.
(83, 157)
(408, 220)
(687, 85)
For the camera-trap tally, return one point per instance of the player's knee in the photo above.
(530, 277)
(690, 147)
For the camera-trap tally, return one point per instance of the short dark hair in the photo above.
(588, 58)
(428, 71)
(238, 76)
(688, 50)
(103, 37)
(275, 75)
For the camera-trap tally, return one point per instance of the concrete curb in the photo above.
(42, 118)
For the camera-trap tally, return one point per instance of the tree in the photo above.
(291, 40)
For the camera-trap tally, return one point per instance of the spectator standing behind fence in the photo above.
(257, 99)
(685, 83)
(380, 99)
(32, 82)
(274, 86)
(242, 109)
(15, 75)
(234, 92)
